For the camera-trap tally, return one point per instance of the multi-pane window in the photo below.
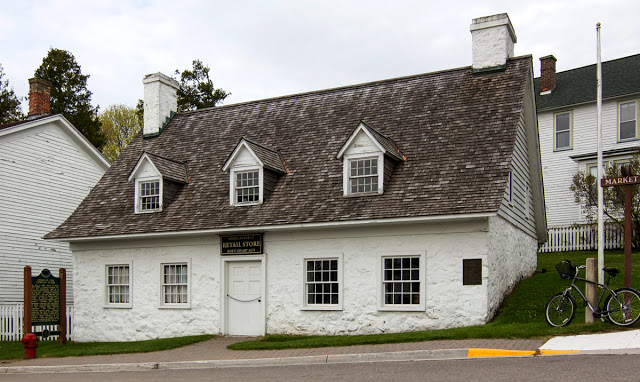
(321, 282)
(175, 283)
(363, 175)
(401, 280)
(149, 194)
(118, 282)
(563, 130)
(628, 118)
(247, 187)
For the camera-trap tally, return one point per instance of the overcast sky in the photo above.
(269, 48)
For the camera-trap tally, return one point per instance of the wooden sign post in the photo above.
(45, 302)
(627, 180)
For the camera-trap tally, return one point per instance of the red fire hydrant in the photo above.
(30, 343)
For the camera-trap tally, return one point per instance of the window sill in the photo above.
(175, 306)
(246, 204)
(627, 140)
(402, 308)
(149, 211)
(118, 306)
(322, 307)
(562, 149)
(376, 193)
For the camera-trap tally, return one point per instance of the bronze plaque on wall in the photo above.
(472, 272)
(248, 244)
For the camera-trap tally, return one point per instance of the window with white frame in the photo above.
(322, 282)
(401, 281)
(563, 134)
(363, 175)
(175, 284)
(148, 195)
(627, 120)
(247, 187)
(118, 285)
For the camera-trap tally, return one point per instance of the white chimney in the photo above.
(160, 101)
(493, 40)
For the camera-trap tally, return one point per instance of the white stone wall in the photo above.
(512, 257)
(442, 247)
(448, 303)
(145, 319)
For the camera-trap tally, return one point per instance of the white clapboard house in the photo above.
(46, 168)
(411, 203)
(567, 119)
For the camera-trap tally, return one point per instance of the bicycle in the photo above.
(622, 305)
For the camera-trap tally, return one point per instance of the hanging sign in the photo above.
(247, 244)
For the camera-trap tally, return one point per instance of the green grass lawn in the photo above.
(520, 316)
(13, 349)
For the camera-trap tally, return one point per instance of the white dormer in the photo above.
(366, 156)
(155, 182)
(249, 165)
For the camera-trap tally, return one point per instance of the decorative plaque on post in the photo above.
(45, 299)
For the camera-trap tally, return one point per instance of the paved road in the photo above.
(611, 368)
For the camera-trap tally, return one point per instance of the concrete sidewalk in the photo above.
(214, 353)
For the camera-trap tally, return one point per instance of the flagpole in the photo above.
(600, 174)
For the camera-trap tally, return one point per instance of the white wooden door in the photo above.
(245, 315)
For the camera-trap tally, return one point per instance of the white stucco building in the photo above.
(412, 203)
(46, 168)
(567, 119)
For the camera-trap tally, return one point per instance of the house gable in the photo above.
(156, 181)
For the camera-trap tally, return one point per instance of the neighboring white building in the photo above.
(46, 168)
(406, 204)
(567, 119)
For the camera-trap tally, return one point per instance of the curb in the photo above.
(415, 355)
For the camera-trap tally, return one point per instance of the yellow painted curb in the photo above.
(498, 353)
(549, 352)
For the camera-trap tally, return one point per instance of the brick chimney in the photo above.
(547, 74)
(493, 39)
(160, 102)
(39, 97)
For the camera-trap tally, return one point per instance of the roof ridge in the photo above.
(258, 144)
(162, 157)
(340, 88)
(609, 62)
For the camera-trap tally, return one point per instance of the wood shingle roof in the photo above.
(456, 129)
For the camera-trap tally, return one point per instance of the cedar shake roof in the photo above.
(169, 169)
(390, 147)
(619, 77)
(456, 129)
(271, 159)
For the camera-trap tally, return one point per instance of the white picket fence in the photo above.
(11, 318)
(582, 238)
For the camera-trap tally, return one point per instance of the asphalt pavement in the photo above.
(214, 354)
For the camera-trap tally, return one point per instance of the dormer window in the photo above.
(247, 187)
(368, 160)
(363, 175)
(253, 172)
(157, 180)
(149, 194)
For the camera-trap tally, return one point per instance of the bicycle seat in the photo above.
(611, 271)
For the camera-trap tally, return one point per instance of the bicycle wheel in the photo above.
(560, 310)
(624, 309)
